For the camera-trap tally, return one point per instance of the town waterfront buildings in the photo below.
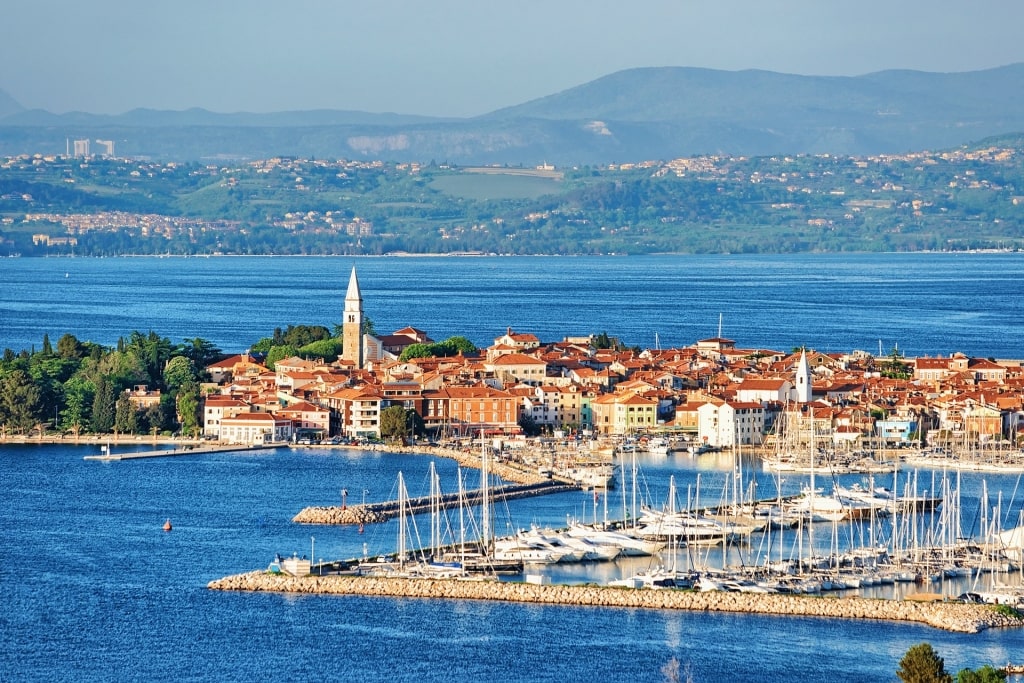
(713, 392)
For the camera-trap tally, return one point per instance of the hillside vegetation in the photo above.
(965, 198)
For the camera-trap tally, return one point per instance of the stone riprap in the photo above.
(950, 616)
(355, 514)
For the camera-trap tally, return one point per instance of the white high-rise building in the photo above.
(106, 147)
(82, 148)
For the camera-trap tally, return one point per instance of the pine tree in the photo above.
(103, 406)
(921, 664)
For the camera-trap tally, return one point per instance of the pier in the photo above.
(381, 512)
(173, 452)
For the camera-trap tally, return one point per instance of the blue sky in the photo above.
(457, 57)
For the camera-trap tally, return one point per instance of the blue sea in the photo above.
(94, 590)
(924, 304)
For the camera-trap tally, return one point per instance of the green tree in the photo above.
(529, 425)
(417, 351)
(921, 664)
(125, 416)
(78, 399)
(200, 351)
(459, 345)
(122, 369)
(895, 367)
(602, 341)
(986, 674)
(69, 347)
(155, 417)
(328, 349)
(277, 353)
(152, 352)
(394, 424)
(179, 371)
(300, 335)
(262, 346)
(187, 405)
(19, 401)
(103, 406)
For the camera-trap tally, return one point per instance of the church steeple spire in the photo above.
(352, 322)
(803, 379)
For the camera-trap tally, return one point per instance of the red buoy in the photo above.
(167, 525)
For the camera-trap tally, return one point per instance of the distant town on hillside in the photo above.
(90, 202)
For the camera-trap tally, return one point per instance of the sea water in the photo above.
(922, 304)
(93, 589)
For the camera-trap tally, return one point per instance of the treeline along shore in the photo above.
(949, 616)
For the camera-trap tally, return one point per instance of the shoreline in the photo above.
(948, 616)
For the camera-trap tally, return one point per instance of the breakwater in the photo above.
(471, 458)
(950, 616)
(379, 512)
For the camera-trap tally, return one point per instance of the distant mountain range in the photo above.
(632, 115)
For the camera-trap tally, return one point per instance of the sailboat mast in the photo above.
(462, 519)
(485, 519)
(634, 488)
(435, 509)
(401, 520)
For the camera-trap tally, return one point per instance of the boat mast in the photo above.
(485, 519)
(401, 520)
(435, 509)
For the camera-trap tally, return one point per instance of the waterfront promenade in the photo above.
(949, 616)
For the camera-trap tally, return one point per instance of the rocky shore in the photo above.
(950, 616)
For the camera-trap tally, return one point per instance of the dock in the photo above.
(174, 452)
(383, 511)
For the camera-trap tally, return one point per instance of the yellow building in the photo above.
(622, 414)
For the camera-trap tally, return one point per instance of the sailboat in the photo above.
(481, 557)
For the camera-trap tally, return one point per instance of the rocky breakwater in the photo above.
(950, 616)
(355, 514)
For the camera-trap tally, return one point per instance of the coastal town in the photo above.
(855, 408)
(594, 409)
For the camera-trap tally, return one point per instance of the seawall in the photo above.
(380, 512)
(950, 616)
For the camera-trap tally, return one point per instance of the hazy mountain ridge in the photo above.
(644, 113)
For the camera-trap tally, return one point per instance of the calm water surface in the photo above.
(94, 590)
(924, 303)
